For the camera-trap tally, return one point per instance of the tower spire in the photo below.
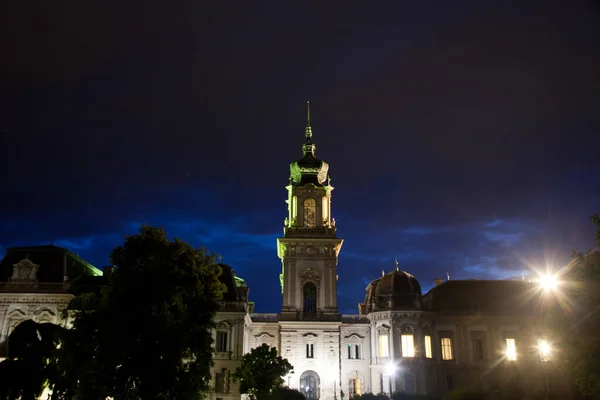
(308, 128)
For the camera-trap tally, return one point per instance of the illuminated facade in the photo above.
(484, 335)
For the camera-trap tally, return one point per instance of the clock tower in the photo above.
(309, 247)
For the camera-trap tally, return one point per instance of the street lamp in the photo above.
(548, 282)
(391, 371)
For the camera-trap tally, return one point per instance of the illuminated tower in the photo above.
(309, 247)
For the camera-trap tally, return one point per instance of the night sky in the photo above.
(462, 137)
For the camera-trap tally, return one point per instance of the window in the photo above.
(310, 215)
(310, 297)
(309, 385)
(511, 349)
(384, 348)
(310, 350)
(408, 383)
(449, 382)
(221, 381)
(354, 351)
(478, 354)
(408, 346)
(221, 341)
(354, 388)
(446, 348)
(428, 352)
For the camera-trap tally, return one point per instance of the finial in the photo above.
(448, 275)
(308, 128)
(382, 273)
(396, 262)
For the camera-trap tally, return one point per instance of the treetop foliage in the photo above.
(261, 371)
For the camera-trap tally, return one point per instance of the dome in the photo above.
(396, 290)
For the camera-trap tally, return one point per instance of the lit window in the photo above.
(354, 388)
(221, 341)
(310, 348)
(310, 216)
(428, 352)
(354, 351)
(545, 349)
(446, 349)
(384, 348)
(408, 346)
(511, 349)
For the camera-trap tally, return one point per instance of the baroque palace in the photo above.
(480, 334)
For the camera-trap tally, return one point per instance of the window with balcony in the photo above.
(354, 351)
(428, 349)
(222, 342)
(511, 349)
(310, 213)
(408, 345)
(354, 388)
(384, 347)
(310, 350)
(446, 343)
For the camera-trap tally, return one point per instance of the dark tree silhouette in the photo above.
(149, 335)
(34, 360)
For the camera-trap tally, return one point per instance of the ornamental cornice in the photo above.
(29, 299)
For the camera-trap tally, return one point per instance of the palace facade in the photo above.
(482, 334)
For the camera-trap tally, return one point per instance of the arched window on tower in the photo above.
(310, 297)
(310, 213)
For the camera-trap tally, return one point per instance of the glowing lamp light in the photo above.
(545, 350)
(390, 369)
(548, 282)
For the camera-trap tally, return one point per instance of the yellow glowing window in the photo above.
(408, 346)
(511, 349)
(428, 352)
(354, 388)
(446, 349)
(310, 215)
(384, 348)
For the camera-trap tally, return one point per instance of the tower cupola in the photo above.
(308, 169)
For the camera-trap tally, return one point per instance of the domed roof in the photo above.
(397, 282)
(396, 290)
(308, 169)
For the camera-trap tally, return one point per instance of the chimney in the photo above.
(438, 281)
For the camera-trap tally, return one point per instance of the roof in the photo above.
(488, 297)
(54, 263)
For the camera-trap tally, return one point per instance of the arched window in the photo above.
(310, 297)
(310, 213)
(309, 385)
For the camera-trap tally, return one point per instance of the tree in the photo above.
(261, 371)
(577, 330)
(286, 393)
(34, 360)
(149, 334)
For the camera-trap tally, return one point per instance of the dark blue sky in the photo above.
(462, 137)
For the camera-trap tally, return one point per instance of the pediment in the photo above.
(354, 336)
(264, 335)
(24, 271)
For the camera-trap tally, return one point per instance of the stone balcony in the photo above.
(300, 232)
(233, 306)
(33, 287)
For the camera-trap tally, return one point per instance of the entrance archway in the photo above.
(310, 385)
